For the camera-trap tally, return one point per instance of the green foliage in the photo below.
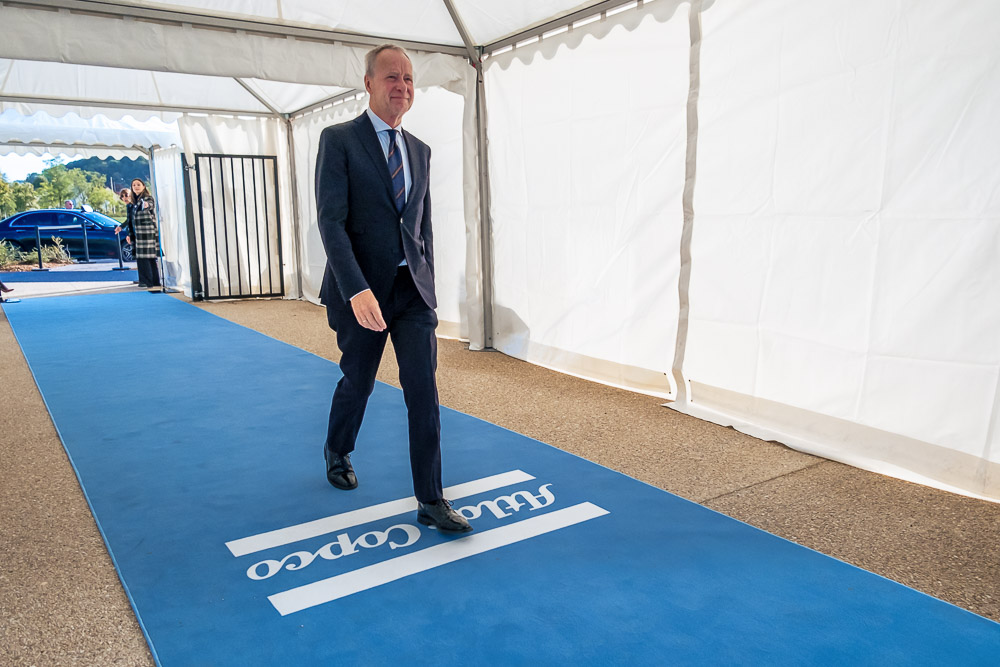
(9, 255)
(25, 197)
(51, 254)
(54, 186)
(59, 184)
(6, 197)
(104, 200)
(16, 197)
(121, 172)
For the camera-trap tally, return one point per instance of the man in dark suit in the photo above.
(374, 209)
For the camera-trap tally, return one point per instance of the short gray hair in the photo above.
(373, 54)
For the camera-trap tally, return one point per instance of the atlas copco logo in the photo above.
(349, 539)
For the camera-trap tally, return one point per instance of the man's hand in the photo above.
(366, 309)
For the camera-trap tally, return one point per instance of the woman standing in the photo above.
(125, 195)
(146, 243)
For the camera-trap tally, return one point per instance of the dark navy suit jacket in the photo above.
(364, 236)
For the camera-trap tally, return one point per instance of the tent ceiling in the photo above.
(131, 88)
(421, 23)
(89, 84)
(417, 20)
(413, 20)
(239, 57)
(290, 97)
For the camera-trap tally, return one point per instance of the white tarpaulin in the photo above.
(587, 182)
(245, 136)
(168, 188)
(184, 53)
(845, 283)
(41, 133)
(784, 216)
(424, 20)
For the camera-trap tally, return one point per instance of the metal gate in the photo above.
(239, 245)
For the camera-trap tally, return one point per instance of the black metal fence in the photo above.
(239, 239)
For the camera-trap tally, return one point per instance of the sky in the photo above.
(17, 167)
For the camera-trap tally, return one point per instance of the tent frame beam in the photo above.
(257, 97)
(333, 99)
(130, 106)
(485, 222)
(601, 8)
(470, 47)
(286, 122)
(277, 30)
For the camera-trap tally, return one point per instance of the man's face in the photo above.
(390, 88)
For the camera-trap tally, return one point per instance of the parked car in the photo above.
(19, 231)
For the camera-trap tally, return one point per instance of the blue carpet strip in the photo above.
(68, 276)
(200, 454)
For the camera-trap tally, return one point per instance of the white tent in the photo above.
(783, 216)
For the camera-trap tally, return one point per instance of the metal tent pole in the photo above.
(294, 195)
(485, 223)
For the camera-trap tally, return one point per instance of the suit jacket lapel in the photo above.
(369, 139)
(417, 172)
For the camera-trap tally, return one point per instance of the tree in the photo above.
(104, 200)
(121, 171)
(16, 197)
(58, 183)
(24, 195)
(6, 198)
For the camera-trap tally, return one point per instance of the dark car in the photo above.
(19, 231)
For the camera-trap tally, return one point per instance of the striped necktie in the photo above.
(396, 171)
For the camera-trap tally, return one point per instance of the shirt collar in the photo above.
(380, 125)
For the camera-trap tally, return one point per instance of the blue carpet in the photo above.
(202, 463)
(67, 276)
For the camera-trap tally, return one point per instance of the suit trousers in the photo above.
(411, 324)
(149, 273)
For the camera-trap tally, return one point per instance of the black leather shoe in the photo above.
(440, 515)
(339, 471)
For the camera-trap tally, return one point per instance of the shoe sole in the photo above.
(342, 487)
(430, 522)
(339, 486)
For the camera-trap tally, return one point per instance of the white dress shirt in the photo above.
(382, 129)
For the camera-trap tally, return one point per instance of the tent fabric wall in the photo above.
(250, 136)
(437, 119)
(844, 283)
(587, 163)
(168, 188)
